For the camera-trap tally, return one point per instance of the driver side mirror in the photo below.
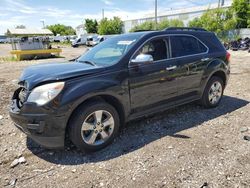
(143, 58)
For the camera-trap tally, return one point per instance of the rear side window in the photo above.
(186, 45)
(212, 42)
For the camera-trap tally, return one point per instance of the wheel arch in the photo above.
(110, 99)
(216, 67)
(219, 73)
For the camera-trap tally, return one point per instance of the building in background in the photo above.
(80, 30)
(185, 15)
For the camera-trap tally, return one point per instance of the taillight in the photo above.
(228, 55)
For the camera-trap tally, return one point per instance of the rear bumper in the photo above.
(45, 129)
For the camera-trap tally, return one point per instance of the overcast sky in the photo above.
(73, 12)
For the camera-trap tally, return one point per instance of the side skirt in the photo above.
(162, 107)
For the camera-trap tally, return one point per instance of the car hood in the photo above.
(36, 74)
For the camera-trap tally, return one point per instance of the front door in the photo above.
(152, 84)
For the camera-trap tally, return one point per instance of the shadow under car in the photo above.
(137, 134)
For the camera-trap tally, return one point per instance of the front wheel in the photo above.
(94, 125)
(213, 92)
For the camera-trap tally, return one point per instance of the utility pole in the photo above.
(156, 14)
(43, 22)
(103, 13)
(218, 4)
(222, 3)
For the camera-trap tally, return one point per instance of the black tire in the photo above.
(205, 97)
(78, 118)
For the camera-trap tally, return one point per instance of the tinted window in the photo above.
(157, 48)
(212, 42)
(185, 45)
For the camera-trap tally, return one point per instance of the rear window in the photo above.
(186, 45)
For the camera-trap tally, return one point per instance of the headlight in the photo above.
(45, 93)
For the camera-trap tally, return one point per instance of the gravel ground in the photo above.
(188, 146)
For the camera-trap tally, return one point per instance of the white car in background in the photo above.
(59, 38)
(100, 38)
(3, 39)
(90, 39)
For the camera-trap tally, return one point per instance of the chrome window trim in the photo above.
(168, 35)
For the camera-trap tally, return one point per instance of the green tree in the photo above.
(150, 25)
(117, 25)
(217, 20)
(211, 20)
(145, 26)
(163, 24)
(176, 23)
(242, 12)
(196, 22)
(110, 26)
(61, 29)
(91, 25)
(229, 22)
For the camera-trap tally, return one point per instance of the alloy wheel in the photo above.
(97, 127)
(215, 93)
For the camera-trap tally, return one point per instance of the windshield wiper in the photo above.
(87, 62)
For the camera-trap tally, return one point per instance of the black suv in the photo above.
(123, 78)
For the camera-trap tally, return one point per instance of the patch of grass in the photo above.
(65, 43)
(8, 59)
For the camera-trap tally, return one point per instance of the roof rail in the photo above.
(185, 29)
(142, 30)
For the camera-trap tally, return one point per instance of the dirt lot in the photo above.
(184, 147)
(67, 52)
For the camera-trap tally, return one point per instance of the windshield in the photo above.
(110, 51)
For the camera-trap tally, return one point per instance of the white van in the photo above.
(81, 40)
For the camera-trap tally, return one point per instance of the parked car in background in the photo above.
(59, 38)
(97, 40)
(51, 38)
(3, 39)
(72, 38)
(90, 39)
(81, 40)
(124, 78)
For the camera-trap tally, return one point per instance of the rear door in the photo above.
(190, 54)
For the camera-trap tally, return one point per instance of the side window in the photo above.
(186, 45)
(157, 48)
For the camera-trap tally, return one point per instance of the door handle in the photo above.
(205, 59)
(171, 68)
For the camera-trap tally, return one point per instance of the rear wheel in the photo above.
(213, 92)
(94, 126)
